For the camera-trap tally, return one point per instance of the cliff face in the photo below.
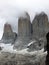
(39, 25)
(24, 31)
(8, 35)
(29, 32)
(24, 25)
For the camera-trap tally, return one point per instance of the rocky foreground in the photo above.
(31, 58)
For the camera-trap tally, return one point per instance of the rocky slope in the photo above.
(37, 58)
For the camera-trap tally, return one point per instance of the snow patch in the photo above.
(9, 48)
(31, 43)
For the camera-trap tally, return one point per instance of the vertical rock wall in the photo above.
(40, 25)
(24, 31)
(24, 25)
(8, 35)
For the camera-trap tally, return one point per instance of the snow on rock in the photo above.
(7, 48)
(31, 43)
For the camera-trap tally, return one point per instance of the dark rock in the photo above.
(0, 48)
(8, 35)
(47, 48)
(21, 59)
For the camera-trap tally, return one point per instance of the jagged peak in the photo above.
(41, 15)
(24, 15)
(7, 23)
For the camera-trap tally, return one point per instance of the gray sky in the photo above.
(11, 9)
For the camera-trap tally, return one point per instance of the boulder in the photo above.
(8, 35)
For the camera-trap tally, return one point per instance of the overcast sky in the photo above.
(11, 9)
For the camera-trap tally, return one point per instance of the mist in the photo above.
(10, 11)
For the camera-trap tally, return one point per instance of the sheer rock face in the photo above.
(24, 31)
(24, 25)
(8, 34)
(40, 25)
(37, 30)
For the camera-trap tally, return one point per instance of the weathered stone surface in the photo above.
(28, 32)
(21, 43)
(36, 44)
(24, 25)
(38, 29)
(40, 25)
(8, 35)
(20, 59)
(24, 31)
(47, 49)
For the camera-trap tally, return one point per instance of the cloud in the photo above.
(11, 9)
(9, 14)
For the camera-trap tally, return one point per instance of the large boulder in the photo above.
(40, 25)
(8, 35)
